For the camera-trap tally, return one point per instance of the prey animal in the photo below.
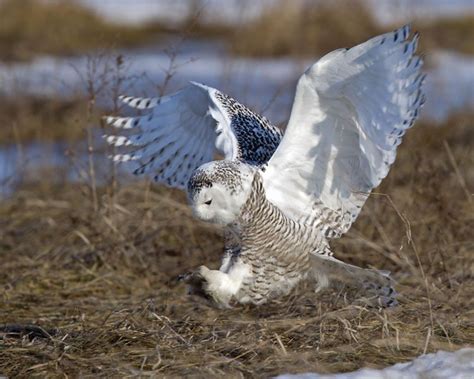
(283, 198)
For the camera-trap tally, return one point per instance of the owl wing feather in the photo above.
(185, 130)
(351, 109)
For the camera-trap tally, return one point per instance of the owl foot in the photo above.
(207, 284)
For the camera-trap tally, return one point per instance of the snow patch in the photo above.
(440, 365)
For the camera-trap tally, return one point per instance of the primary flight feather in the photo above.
(283, 198)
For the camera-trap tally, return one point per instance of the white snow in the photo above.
(440, 365)
(449, 86)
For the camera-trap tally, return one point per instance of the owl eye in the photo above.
(208, 202)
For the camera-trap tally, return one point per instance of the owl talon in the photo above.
(201, 283)
(193, 278)
(197, 283)
(184, 277)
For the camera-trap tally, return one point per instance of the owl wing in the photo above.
(351, 109)
(182, 131)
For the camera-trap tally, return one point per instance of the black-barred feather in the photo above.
(186, 129)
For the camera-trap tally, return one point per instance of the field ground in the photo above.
(89, 279)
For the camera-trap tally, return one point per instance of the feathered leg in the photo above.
(327, 270)
(217, 286)
(213, 285)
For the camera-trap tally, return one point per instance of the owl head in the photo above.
(218, 190)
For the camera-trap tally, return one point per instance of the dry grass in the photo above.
(28, 118)
(451, 34)
(314, 28)
(289, 29)
(32, 27)
(101, 285)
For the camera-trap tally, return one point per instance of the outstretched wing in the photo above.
(351, 109)
(182, 131)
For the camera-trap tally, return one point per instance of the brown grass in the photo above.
(101, 285)
(316, 28)
(288, 29)
(451, 34)
(28, 118)
(32, 27)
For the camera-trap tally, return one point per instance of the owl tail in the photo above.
(372, 284)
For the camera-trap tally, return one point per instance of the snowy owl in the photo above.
(283, 198)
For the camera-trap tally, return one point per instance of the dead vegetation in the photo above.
(305, 29)
(449, 34)
(314, 28)
(30, 118)
(31, 27)
(94, 293)
(60, 28)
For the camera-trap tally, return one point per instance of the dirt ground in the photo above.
(88, 279)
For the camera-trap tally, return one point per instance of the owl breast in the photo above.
(274, 247)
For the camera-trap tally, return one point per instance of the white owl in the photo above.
(283, 198)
